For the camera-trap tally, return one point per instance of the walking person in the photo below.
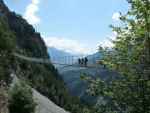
(85, 61)
(79, 61)
(82, 61)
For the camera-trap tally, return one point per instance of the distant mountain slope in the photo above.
(54, 52)
(57, 55)
(77, 87)
(94, 57)
(61, 57)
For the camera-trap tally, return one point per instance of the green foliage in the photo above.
(42, 77)
(50, 84)
(7, 39)
(7, 45)
(21, 99)
(130, 56)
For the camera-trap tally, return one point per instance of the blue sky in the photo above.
(77, 26)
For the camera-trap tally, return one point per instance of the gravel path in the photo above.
(45, 105)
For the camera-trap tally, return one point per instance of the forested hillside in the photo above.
(16, 35)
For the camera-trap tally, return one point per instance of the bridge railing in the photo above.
(66, 60)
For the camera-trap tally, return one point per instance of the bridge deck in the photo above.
(48, 61)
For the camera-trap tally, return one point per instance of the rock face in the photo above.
(27, 38)
(44, 105)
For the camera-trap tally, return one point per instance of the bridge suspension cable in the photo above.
(73, 61)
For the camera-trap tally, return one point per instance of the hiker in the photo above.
(82, 61)
(85, 61)
(79, 61)
(104, 66)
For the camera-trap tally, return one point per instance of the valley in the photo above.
(54, 57)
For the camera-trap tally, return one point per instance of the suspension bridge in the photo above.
(63, 61)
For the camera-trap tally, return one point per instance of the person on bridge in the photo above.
(82, 61)
(79, 61)
(85, 61)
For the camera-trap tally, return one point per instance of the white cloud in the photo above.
(35, 1)
(108, 42)
(30, 13)
(114, 35)
(116, 16)
(68, 45)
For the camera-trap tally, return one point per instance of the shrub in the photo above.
(21, 99)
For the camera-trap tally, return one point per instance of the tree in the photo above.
(130, 56)
(21, 99)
